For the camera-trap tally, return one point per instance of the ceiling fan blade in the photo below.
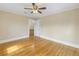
(39, 11)
(42, 8)
(28, 8)
(33, 4)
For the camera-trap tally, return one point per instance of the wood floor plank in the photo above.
(35, 46)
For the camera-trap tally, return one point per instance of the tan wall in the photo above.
(12, 26)
(62, 27)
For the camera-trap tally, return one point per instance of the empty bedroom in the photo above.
(39, 29)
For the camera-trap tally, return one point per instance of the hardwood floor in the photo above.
(36, 46)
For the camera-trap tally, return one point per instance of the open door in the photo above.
(31, 28)
(34, 29)
(31, 33)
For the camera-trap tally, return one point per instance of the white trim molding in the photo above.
(13, 39)
(62, 42)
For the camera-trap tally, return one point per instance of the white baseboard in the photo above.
(62, 42)
(13, 39)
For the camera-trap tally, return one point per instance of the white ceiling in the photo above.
(18, 8)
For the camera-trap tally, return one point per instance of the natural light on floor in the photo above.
(12, 49)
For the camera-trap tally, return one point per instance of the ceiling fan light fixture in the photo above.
(35, 11)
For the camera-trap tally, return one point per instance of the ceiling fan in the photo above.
(35, 8)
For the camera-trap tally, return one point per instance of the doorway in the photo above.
(34, 28)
